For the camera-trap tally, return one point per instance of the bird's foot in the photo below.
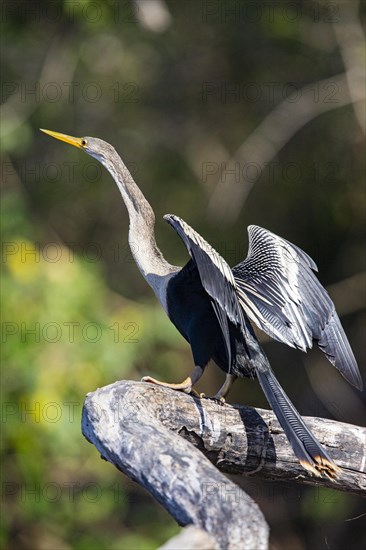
(185, 386)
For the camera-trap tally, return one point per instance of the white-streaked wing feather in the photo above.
(280, 293)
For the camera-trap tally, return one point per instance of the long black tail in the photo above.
(308, 450)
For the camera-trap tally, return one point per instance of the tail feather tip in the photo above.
(321, 466)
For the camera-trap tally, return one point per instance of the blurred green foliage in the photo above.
(116, 71)
(67, 330)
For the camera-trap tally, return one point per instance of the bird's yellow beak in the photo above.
(77, 142)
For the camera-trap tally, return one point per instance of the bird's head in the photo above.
(97, 148)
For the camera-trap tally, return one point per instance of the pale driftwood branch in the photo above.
(158, 438)
(130, 424)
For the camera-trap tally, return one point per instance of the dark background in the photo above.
(227, 114)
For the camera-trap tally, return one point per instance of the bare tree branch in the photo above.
(170, 443)
(128, 422)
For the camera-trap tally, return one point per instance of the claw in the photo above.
(218, 400)
(221, 399)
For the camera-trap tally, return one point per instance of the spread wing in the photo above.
(280, 293)
(216, 277)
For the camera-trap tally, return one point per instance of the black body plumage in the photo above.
(191, 311)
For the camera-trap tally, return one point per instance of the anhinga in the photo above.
(211, 304)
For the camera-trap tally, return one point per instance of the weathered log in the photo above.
(150, 433)
(126, 423)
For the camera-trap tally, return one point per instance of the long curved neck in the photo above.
(141, 236)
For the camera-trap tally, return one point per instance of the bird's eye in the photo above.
(83, 142)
